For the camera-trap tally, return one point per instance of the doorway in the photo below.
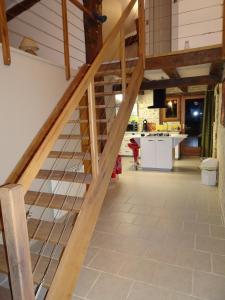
(193, 109)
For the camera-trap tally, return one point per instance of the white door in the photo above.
(164, 157)
(148, 153)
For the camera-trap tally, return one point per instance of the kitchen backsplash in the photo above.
(152, 116)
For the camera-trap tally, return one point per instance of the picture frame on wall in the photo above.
(172, 112)
(222, 117)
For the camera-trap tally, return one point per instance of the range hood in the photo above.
(159, 99)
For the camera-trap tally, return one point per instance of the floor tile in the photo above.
(110, 287)
(141, 291)
(91, 253)
(178, 296)
(194, 259)
(209, 219)
(176, 278)
(139, 269)
(209, 286)
(218, 262)
(198, 228)
(109, 261)
(213, 245)
(218, 231)
(86, 279)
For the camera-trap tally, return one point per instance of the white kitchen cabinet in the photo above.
(164, 153)
(156, 153)
(148, 153)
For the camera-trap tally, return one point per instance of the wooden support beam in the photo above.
(84, 9)
(223, 42)
(19, 8)
(141, 30)
(93, 129)
(178, 82)
(185, 58)
(216, 70)
(17, 241)
(173, 73)
(123, 61)
(4, 35)
(92, 30)
(176, 59)
(66, 39)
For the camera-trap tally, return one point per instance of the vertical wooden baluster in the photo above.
(123, 61)
(17, 241)
(141, 29)
(4, 35)
(66, 39)
(93, 129)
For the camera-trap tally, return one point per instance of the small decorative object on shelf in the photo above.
(29, 45)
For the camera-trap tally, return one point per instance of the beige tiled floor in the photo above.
(160, 236)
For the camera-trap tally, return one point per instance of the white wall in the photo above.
(43, 23)
(199, 22)
(219, 142)
(30, 89)
(158, 26)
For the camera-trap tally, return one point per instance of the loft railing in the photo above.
(11, 196)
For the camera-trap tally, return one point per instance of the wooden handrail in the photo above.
(4, 36)
(44, 149)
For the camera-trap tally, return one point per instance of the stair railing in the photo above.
(12, 196)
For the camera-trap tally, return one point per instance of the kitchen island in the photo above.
(157, 150)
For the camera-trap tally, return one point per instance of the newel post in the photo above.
(17, 241)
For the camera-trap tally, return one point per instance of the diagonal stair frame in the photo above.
(73, 229)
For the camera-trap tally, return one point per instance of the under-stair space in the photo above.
(65, 175)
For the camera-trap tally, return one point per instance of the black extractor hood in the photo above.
(159, 99)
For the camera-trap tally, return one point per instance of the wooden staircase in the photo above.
(66, 179)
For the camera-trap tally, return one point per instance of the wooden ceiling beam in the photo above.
(173, 73)
(179, 82)
(185, 58)
(174, 82)
(19, 8)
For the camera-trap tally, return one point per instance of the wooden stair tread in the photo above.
(103, 94)
(109, 82)
(54, 201)
(5, 294)
(43, 265)
(79, 137)
(70, 155)
(65, 176)
(53, 232)
(98, 106)
(113, 72)
(87, 121)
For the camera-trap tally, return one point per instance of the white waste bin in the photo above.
(209, 168)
